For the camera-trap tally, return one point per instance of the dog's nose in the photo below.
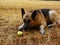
(28, 21)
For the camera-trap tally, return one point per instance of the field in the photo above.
(10, 19)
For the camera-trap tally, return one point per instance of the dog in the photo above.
(40, 18)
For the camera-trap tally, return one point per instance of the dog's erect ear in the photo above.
(34, 14)
(22, 11)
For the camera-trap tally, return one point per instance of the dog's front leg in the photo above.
(21, 27)
(42, 31)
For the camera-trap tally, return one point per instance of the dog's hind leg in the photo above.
(50, 25)
(55, 18)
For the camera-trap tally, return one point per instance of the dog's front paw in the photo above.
(20, 28)
(42, 31)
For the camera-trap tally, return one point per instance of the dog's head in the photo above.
(29, 17)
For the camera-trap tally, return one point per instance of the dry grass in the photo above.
(10, 19)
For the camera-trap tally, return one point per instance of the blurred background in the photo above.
(10, 19)
(36, 0)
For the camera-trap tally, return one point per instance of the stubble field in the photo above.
(10, 19)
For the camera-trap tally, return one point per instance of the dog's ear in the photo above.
(22, 12)
(34, 14)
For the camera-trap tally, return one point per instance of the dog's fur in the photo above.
(40, 18)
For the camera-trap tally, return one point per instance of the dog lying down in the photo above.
(39, 18)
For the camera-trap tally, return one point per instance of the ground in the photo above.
(10, 19)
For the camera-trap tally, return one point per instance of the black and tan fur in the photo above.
(41, 18)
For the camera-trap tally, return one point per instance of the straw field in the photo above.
(10, 19)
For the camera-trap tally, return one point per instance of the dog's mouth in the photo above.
(27, 24)
(31, 27)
